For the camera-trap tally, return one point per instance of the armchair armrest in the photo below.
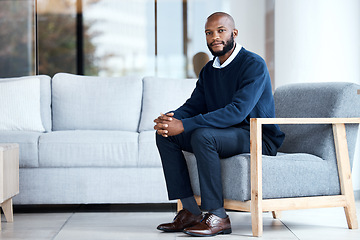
(342, 156)
(305, 120)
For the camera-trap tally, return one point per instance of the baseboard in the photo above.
(357, 195)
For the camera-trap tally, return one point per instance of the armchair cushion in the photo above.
(297, 175)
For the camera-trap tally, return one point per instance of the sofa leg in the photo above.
(7, 208)
(276, 214)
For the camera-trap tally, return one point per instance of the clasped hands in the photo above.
(166, 125)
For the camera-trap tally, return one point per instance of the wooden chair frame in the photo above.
(257, 205)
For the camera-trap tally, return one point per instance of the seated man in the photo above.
(214, 123)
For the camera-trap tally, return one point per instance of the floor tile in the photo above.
(111, 222)
(34, 226)
(326, 223)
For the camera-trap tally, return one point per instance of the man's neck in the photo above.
(224, 57)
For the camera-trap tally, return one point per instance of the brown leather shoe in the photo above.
(211, 225)
(183, 219)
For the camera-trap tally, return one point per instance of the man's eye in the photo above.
(221, 30)
(207, 33)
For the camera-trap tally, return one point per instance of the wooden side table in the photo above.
(9, 178)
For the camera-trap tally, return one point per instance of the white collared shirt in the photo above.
(216, 63)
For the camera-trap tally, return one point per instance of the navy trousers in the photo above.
(208, 146)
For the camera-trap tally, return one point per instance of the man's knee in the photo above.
(202, 136)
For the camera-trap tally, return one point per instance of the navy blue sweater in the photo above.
(230, 96)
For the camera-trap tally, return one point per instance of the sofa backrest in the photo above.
(317, 100)
(162, 95)
(45, 98)
(96, 103)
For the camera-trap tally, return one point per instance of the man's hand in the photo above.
(166, 125)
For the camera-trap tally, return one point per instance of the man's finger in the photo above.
(165, 117)
(162, 132)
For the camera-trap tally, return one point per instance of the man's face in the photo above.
(219, 35)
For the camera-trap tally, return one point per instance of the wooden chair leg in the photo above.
(257, 222)
(351, 219)
(256, 177)
(342, 156)
(7, 208)
(276, 214)
(179, 206)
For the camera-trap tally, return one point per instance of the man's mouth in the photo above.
(217, 44)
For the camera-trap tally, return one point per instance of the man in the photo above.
(214, 123)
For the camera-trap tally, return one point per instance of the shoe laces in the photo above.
(207, 218)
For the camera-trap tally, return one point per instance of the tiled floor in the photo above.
(105, 222)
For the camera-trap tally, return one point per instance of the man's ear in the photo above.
(235, 33)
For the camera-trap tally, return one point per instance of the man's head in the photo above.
(220, 33)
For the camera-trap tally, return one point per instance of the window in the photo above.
(17, 35)
(117, 37)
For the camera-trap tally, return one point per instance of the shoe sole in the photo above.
(225, 231)
(168, 230)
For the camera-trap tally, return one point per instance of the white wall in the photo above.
(249, 18)
(318, 41)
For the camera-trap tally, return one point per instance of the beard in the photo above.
(227, 47)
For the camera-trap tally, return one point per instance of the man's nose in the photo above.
(216, 35)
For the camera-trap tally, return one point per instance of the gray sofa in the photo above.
(99, 144)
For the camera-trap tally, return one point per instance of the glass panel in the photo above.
(118, 36)
(17, 38)
(170, 57)
(198, 11)
(56, 36)
(121, 34)
(249, 17)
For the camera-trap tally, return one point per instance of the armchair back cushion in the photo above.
(317, 100)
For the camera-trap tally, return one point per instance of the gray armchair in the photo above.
(313, 166)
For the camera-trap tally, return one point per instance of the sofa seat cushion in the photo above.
(28, 146)
(148, 152)
(84, 148)
(284, 175)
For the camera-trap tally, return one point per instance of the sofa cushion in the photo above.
(28, 146)
(96, 103)
(148, 152)
(163, 95)
(84, 148)
(20, 105)
(298, 175)
(45, 98)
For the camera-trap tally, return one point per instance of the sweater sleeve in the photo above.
(194, 105)
(252, 84)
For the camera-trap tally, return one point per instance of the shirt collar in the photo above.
(216, 63)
